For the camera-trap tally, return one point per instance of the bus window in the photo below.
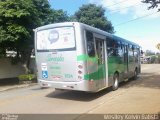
(110, 45)
(120, 49)
(131, 53)
(136, 53)
(113, 47)
(90, 44)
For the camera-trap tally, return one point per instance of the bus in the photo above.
(76, 56)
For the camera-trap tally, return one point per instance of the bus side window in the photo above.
(130, 53)
(110, 45)
(115, 47)
(90, 44)
(120, 49)
(136, 53)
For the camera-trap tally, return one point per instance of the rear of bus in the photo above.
(57, 48)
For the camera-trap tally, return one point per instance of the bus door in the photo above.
(126, 69)
(131, 60)
(100, 53)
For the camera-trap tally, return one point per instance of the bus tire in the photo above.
(135, 74)
(116, 82)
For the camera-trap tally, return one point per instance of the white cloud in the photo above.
(147, 43)
(136, 7)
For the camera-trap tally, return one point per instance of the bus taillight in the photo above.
(80, 66)
(79, 72)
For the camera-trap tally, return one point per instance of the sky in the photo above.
(131, 19)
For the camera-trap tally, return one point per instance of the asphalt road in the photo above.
(138, 96)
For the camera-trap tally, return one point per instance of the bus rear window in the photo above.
(56, 38)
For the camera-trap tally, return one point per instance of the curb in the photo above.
(17, 87)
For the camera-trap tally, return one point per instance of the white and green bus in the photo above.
(76, 56)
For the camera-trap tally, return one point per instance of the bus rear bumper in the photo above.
(78, 86)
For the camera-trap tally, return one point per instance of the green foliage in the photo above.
(14, 60)
(58, 16)
(2, 53)
(158, 59)
(27, 77)
(95, 16)
(149, 53)
(153, 59)
(18, 18)
(11, 14)
(154, 3)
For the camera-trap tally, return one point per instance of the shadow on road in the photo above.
(40, 89)
(148, 80)
(78, 95)
(9, 81)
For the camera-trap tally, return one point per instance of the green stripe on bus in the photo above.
(98, 75)
(85, 57)
(82, 57)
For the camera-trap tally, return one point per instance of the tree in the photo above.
(149, 53)
(18, 18)
(58, 16)
(154, 3)
(95, 16)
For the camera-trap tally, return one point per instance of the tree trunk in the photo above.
(26, 68)
(25, 55)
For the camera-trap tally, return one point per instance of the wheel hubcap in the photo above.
(135, 73)
(116, 82)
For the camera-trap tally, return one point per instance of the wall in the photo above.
(7, 70)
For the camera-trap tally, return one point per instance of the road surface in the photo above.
(138, 96)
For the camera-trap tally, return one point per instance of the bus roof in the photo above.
(93, 29)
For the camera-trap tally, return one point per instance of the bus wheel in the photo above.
(116, 82)
(135, 74)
